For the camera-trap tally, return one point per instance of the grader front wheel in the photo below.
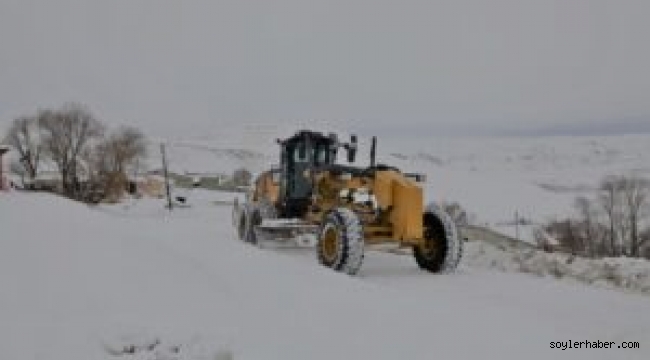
(442, 249)
(340, 242)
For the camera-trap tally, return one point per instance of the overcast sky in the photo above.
(416, 67)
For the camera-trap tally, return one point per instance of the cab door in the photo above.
(300, 162)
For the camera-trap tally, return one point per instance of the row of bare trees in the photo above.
(86, 156)
(614, 222)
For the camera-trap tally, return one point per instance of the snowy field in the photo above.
(133, 281)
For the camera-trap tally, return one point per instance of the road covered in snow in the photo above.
(134, 281)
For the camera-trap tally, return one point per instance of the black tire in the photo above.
(241, 221)
(253, 219)
(340, 242)
(248, 216)
(236, 210)
(443, 248)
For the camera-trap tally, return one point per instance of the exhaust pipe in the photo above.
(352, 149)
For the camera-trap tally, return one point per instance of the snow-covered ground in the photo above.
(134, 281)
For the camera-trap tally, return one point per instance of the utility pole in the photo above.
(517, 224)
(166, 173)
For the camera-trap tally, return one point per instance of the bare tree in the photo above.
(115, 155)
(23, 136)
(644, 249)
(610, 201)
(122, 149)
(67, 133)
(635, 200)
(593, 238)
(625, 203)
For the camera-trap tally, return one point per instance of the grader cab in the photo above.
(345, 208)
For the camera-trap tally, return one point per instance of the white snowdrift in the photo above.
(626, 273)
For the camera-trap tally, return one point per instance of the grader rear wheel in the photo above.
(442, 249)
(340, 243)
(241, 219)
(236, 209)
(246, 217)
(254, 219)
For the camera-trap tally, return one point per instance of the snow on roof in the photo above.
(4, 148)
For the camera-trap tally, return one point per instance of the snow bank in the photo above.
(626, 273)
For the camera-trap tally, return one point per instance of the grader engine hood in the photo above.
(403, 197)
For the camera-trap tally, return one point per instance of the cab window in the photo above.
(300, 154)
(322, 155)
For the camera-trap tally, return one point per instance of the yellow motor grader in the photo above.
(345, 208)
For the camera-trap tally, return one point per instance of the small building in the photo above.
(4, 182)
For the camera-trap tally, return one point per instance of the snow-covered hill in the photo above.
(133, 281)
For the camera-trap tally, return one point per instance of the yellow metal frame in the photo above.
(399, 197)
